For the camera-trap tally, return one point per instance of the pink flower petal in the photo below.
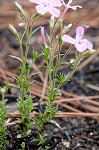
(55, 3)
(79, 32)
(41, 9)
(54, 11)
(68, 39)
(81, 47)
(36, 1)
(63, 3)
(89, 45)
(75, 7)
(70, 1)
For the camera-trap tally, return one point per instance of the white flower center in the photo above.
(79, 41)
(45, 3)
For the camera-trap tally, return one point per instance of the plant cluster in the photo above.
(52, 53)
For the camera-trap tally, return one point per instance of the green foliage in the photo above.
(60, 42)
(45, 117)
(23, 146)
(35, 55)
(55, 123)
(33, 32)
(53, 93)
(3, 133)
(3, 113)
(45, 53)
(27, 106)
(25, 101)
(62, 78)
(35, 16)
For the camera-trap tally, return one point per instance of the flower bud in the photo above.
(88, 53)
(72, 61)
(92, 51)
(20, 9)
(57, 25)
(66, 28)
(43, 35)
(21, 24)
(12, 28)
(18, 6)
(14, 31)
(52, 21)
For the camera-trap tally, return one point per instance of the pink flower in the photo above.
(44, 6)
(43, 35)
(67, 6)
(80, 43)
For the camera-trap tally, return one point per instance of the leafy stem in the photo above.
(3, 113)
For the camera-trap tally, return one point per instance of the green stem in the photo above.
(3, 127)
(21, 49)
(67, 52)
(75, 67)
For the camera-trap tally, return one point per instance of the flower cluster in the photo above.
(45, 6)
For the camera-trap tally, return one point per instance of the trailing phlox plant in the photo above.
(54, 55)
